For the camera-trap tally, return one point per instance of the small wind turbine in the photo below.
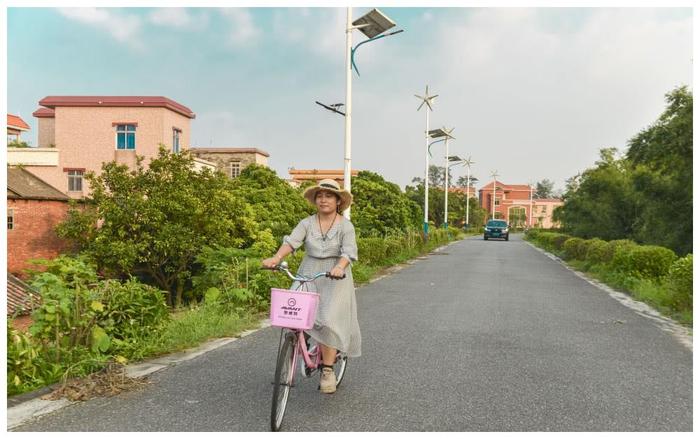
(426, 100)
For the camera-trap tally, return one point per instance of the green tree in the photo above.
(456, 206)
(154, 221)
(276, 205)
(379, 206)
(662, 157)
(601, 201)
(544, 189)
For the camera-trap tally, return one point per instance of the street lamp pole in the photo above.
(448, 136)
(529, 225)
(469, 184)
(447, 170)
(348, 107)
(373, 24)
(493, 201)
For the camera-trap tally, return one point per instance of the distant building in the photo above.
(300, 176)
(513, 203)
(78, 134)
(463, 191)
(15, 127)
(34, 208)
(231, 161)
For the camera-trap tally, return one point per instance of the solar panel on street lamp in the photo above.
(373, 23)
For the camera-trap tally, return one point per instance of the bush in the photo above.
(680, 283)
(644, 261)
(616, 246)
(132, 309)
(371, 251)
(596, 251)
(551, 240)
(573, 249)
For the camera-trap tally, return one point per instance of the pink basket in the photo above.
(293, 309)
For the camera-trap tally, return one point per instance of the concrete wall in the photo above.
(47, 133)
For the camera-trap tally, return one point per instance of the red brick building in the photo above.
(34, 208)
(514, 203)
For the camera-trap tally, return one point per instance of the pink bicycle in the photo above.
(293, 311)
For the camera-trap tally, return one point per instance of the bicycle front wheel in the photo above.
(283, 381)
(341, 365)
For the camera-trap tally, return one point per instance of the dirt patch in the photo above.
(110, 381)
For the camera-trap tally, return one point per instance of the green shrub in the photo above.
(596, 251)
(132, 309)
(551, 240)
(680, 283)
(616, 246)
(371, 251)
(394, 247)
(644, 261)
(572, 248)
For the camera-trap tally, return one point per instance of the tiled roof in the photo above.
(195, 150)
(22, 184)
(16, 122)
(116, 101)
(44, 112)
(21, 298)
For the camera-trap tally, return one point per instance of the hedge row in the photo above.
(625, 257)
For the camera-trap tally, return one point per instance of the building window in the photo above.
(544, 209)
(497, 202)
(235, 169)
(10, 219)
(126, 136)
(75, 181)
(176, 140)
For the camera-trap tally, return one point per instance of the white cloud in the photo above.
(320, 31)
(243, 31)
(179, 18)
(122, 27)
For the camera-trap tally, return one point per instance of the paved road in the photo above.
(486, 336)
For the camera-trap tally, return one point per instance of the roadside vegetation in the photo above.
(645, 194)
(627, 220)
(176, 261)
(652, 274)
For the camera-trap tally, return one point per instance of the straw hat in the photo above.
(330, 185)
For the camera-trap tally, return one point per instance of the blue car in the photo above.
(496, 229)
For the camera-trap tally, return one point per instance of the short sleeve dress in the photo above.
(336, 319)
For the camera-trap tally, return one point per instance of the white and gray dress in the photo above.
(336, 319)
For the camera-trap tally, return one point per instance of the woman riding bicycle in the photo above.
(329, 241)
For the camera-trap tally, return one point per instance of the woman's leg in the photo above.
(327, 354)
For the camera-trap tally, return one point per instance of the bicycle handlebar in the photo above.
(285, 268)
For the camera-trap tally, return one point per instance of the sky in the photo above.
(532, 93)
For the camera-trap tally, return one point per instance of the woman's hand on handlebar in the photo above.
(271, 262)
(336, 273)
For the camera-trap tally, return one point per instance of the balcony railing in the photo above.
(32, 156)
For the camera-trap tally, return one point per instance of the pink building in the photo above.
(515, 204)
(78, 134)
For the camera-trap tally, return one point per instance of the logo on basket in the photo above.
(292, 301)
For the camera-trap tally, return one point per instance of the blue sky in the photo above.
(533, 92)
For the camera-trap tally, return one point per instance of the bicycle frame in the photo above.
(312, 361)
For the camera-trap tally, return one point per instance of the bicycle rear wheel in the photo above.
(283, 381)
